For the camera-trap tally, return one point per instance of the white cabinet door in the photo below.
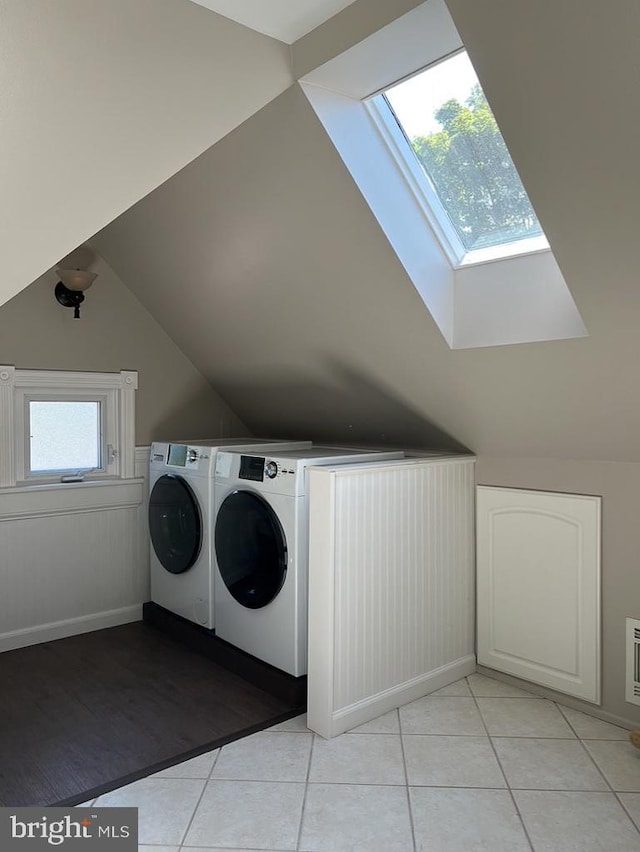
(538, 556)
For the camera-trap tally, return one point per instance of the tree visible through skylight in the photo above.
(445, 116)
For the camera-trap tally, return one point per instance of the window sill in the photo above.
(40, 481)
(61, 498)
(521, 248)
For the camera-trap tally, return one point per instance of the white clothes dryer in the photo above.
(180, 523)
(261, 549)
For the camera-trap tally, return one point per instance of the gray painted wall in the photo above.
(115, 333)
(290, 297)
(293, 305)
(101, 101)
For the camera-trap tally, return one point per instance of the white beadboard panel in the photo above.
(539, 587)
(391, 584)
(38, 501)
(57, 568)
(72, 558)
(321, 610)
(141, 462)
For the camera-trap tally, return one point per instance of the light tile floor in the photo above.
(478, 766)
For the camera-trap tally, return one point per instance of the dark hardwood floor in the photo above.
(83, 715)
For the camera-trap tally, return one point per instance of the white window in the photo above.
(61, 424)
(438, 123)
(64, 435)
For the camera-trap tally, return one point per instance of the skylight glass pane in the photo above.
(446, 118)
(64, 436)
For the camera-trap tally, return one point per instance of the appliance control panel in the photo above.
(271, 475)
(260, 469)
(184, 456)
(274, 470)
(286, 474)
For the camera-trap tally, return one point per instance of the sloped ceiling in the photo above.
(280, 19)
(103, 100)
(267, 268)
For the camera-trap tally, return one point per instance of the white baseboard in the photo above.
(370, 708)
(70, 627)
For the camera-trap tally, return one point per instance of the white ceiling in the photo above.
(286, 20)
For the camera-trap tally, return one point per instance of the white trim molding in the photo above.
(114, 391)
(347, 718)
(7, 440)
(69, 627)
(128, 388)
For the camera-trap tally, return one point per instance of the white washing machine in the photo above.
(180, 523)
(261, 549)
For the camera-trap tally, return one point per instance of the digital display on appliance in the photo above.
(251, 467)
(177, 455)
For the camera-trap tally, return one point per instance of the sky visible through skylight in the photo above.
(415, 101)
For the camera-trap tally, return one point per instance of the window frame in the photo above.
(23, 423)
(425, 194)
(393, 135)
(115, 392)
(513, 300)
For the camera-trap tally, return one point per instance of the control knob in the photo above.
(192, 456)
(271, 469)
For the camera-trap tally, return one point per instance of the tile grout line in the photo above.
(204, 787)
(406, 778)
(306, 789)
(624, 808)
(501, 697)
(593, 760)
(507, 737)
(396, 786)
(504, 774)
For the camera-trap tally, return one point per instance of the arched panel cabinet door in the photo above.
(175, 523)
(538, 556)
(251, 549)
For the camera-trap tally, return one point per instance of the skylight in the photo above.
(466, 174)
(505, 293)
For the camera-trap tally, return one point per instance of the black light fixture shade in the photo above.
(70, 290)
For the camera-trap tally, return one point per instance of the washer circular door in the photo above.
(175, 523)
(251, 549)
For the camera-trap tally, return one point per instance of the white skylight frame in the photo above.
(490, 302)
(400, 148)
(426, 196)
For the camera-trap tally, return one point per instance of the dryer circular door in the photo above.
(251, 549)
(175, 523)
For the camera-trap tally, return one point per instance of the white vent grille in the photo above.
(633, 661)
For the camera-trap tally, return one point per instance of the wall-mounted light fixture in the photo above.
(70, 289)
